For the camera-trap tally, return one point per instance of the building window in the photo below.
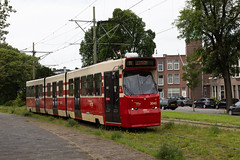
(234, 91)
(176, 65)
(216, 92)
(170, 79)
(238, 91)
(184, 94)
(169, 65)
(160, 66)
(176, 79)
(161, 94)
(222, 92)
(160, 80)
(173, 92)
(213, 91)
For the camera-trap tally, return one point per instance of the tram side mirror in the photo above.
(159, 90)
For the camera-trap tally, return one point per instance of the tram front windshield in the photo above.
(135, 83)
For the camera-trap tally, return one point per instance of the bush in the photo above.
(19, 100)
(72, 123)
(27, 114)
(169, 152)
(9, 103)
(116, 135)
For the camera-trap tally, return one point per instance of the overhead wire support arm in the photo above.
(83, 30)
(79, 20)
(34, 52)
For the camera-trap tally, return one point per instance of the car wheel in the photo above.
(204, 106)
(230, 112)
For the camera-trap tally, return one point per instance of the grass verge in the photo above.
(169, 141)
(223, 119)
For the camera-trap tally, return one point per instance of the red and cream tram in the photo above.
(120, 92)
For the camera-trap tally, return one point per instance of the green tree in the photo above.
(217, 23)
(130, 36)
(42, 72)
(192, 72)
(15, 70)
(5, 10)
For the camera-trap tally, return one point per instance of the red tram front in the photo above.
(119, 92)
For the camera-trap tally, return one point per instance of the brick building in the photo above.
(170, 75)
(213, 87)
(217, 88)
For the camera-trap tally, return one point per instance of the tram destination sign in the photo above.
(141, 62)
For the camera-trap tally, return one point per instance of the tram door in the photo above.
(54, 98)
(37, 98)
(111, 96)
(77, 97)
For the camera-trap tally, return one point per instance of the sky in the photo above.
(46, 24)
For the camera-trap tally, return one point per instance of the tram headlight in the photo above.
(132, 109)
(155, 107)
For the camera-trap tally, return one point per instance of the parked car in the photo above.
(182, 101)
(168, 103)
(205, 102)
(234, 109)
(222, 103)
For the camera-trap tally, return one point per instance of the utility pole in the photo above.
(94, 38)
(34, 61)
(34, 64)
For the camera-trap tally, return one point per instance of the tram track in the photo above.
(199, 123)
(203, 124)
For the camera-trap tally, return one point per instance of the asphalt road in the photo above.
(19, 139)
(199, 110)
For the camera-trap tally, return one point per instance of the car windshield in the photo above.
(135, 83)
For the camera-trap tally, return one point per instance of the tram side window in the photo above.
(28, 92)
(98, 84)
(90, 85)
(60, 88)
(83, 86)
(40, 90)
(32, 91)
(49, 89)
(36, 91)
(70, 87)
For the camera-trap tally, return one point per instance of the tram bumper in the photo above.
(144, 111)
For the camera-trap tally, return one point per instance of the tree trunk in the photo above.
(228, 89)
(193, 106)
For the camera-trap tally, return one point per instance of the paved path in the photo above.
(19, 139)
(26, 138)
